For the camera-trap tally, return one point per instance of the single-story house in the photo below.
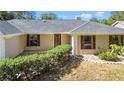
(18, 35)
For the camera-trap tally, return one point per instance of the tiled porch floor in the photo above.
(29, 52)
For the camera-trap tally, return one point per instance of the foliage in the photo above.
(115, 16)
(26, 67)
(7, 15)
(94, 19)
(48, 16)
(23, 14)
(109, 56)
(117, 49)
(100, 50)
(112, 54)
(4, 15)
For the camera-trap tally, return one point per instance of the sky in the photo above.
(85, 15)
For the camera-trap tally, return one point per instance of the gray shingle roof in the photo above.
(29, 26)
(96, 28)
(6, 28)
(54, 26)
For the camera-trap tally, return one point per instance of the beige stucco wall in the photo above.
(102, 41)
(2, 48)
(47, 42)
(14, 45)
(65, 39)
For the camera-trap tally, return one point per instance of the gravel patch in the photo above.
(95, 59)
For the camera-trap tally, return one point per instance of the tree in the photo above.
(29, 15)
(8, 15)
(116, 16)
(94, 19)
(4, 15)
(23, 14)
(18, 14)
(103, 21)
(48, 16)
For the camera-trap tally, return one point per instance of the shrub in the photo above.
(117, 49)
(109, 56)
(26, 67)
(100, 50)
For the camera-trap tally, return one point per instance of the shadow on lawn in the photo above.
(65, 69)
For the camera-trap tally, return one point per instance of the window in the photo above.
(33, 40)
(117, 39)
(88, 42)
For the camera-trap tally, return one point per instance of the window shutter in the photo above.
(38, 37)
(110, 39)
(27, 40)
(94, 42)
(121, 39)
(82, 44)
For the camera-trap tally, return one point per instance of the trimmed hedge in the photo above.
(26, 67)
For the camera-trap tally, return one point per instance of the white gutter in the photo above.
(12, 35)
(47, 33)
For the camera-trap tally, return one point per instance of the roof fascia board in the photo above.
(12, 35)
(48, 33)
(99, 33)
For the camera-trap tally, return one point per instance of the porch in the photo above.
(30, 52)
(92, 44)
(40, 43)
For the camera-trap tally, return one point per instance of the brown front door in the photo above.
(57, 39)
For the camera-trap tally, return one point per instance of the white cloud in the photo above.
(99, 14)
(86, 16)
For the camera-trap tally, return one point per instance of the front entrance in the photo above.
(57, 39)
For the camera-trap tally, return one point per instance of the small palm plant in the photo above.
(117, 49)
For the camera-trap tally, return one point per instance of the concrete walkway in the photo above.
(95, 59)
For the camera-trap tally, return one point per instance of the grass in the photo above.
(78, 70)
(93, 71)
(65, 68)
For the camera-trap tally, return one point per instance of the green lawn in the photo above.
(93, 71)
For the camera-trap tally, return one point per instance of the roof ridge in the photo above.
(79, 26)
